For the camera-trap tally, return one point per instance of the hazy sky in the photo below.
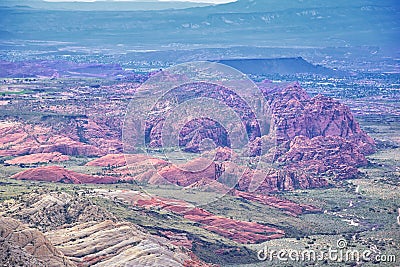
(196, 1)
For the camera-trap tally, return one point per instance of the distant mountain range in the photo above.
(245, 22)
(105, 5)
(366, 27)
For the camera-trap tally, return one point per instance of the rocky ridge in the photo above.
(49, 211)
(27, 246)
(239, 231)
(77, 233)
(90, 244)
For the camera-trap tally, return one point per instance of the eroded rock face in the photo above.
(194, 132)
(308, 137)
(14, 255)
(69, 136)
(198, 129)
(178, 239)
(221, 154)
(189, 173)
(209, 185)
(59, 174)
(294, 113)
(118, 244)
(325, 154)
(239, 231)
(120, 160)
(314, 135)
(285, 179)
(116, 160)
(66, 146)
(24, 246)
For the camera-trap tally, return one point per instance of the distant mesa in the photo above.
(108, 5)
(272, 23)
(283, 66)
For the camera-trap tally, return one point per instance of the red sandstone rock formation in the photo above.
(120, 160)
(264, 181)
(210, 185)
(23, 139)
(189, 173)
(322, 154)
(309, 136)
(178, 239)
(315, 135)
(198, 129)
(294, 113)
(38, 158)
(69, 136)
(116, 160)
(59, 174)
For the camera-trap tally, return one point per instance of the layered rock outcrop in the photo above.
(195, 131)
(24, 246)
(308, 137)
(78, 233)
(118, 244)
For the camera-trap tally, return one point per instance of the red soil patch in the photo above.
(38, 158)
(59, 174)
